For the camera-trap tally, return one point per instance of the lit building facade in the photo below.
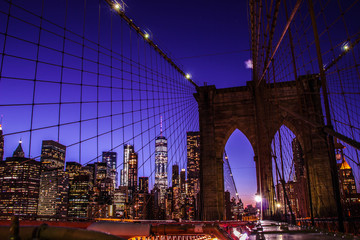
(101, 205)
(53, 197)
(19, 186)
(176, 192)
(143, 197)
(133, 173)
(111, 159)
(124, 174)
(52, 154)
(121, 202)
(183, 196)
(73, 169)
(100, 172)
(161, 160)
(79, 197)
(54, 184)
(193, 170)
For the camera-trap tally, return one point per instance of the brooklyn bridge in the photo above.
(104, 135)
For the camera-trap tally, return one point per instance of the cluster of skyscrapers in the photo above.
(53, 189)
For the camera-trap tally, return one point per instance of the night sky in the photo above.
(208, 39)
(211, 40)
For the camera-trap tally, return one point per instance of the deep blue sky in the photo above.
(208, 39)
(196, 28)
(193, 30)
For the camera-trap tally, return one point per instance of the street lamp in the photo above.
(258, 199)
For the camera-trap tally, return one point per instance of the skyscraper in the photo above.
(161, 157)
(79, 197)
(176, 192)
(19, 186)
(52, 154)
(111, 159)
(183, 186)
(143, 196)
(53, 194)
(183, 195)
(128, 149)
(175, 176)
(100, 171)
(54, 184)
(133, 173)
(1, 144)
(193, 170)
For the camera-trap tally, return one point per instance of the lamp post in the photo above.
(258, 199)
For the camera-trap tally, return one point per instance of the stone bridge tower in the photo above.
(259, 112)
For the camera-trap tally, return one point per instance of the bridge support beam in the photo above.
(211, 164)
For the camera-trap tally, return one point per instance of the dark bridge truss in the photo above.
(290, 39)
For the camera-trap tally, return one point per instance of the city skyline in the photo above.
(90, 150)
(69, 190)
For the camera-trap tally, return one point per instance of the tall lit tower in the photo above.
(193, 169)
(193, 162)
(53, 181)
(133, 174)
(52, 154)
(124, 178)
(161, 159)
(1, 143)
(111, 159)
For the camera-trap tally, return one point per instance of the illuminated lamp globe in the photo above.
(345, 47)
(257, 198)
(117, 6)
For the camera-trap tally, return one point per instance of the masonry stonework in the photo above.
(259, 112)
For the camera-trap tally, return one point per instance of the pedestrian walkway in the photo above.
(271, 230)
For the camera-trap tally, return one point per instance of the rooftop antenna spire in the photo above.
(161, 126)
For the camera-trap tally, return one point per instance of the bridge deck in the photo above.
(271, 230)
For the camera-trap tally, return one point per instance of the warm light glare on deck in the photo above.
(187, 76)
(146, 35)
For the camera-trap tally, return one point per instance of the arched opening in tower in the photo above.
(289, 175)
(239, 176)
